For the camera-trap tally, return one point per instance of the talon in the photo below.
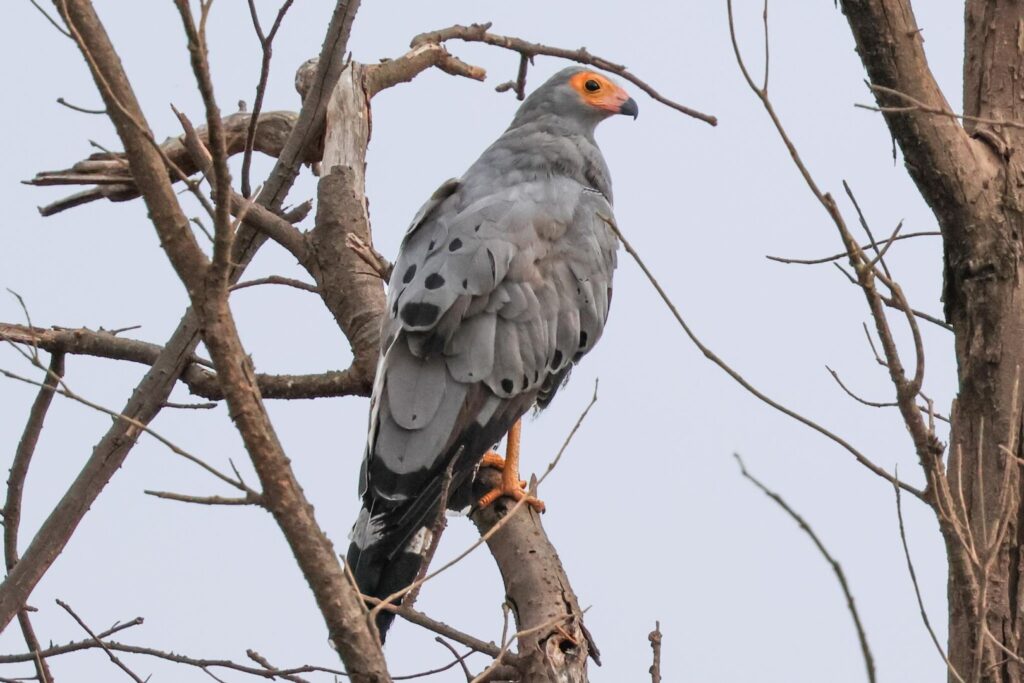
(516, 494)
(511, 485)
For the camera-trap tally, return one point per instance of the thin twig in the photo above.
(917, 589)
(742, 381)
(892, 303)
(266, 43)
(569, 437)
(206, 500)
(63, 390)
(918, 105)
(277, 280)
(190, 406)
(53, 22)
(927, 446)
(61, 100)
(478, 33)
(855, 397)
(869, 661)
(436, 530)
(121, 665)
(15, 490)
(459, 659)
(843, 254)
(440, 628)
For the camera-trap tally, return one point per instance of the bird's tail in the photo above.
(385, 560)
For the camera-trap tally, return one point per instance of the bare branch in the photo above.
(65, 391)
(266, 43)
(916, 105)
(845, 255)
(83, 341)
(249, 499)
(917, 590)
(869, 661)
(109, 171)
(742, 381)
(53, 22)
(927, 446)
(83, 110)
(371, 257)
(655, 636)
(277, 280)
(15, 490)
(478, 33)
(148, 398)
(442, 629)
(391, 72)
(121, 665)
(270, 224)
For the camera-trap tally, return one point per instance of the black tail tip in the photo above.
(381, 577)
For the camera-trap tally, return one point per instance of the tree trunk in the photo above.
(971, 176)
(985, 303)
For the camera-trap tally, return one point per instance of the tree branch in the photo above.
(869, 661)
(152, 392)
(109, 172)
(948, 167)
(339, 603)
(478, 33)
(15, 490)
(199, 380)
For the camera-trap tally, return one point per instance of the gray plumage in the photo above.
(503, 281)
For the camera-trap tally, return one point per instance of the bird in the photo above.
(502, 283)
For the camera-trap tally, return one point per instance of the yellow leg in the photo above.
(511, 485)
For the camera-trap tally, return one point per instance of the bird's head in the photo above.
(578, 94)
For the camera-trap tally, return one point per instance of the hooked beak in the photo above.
(629, 108)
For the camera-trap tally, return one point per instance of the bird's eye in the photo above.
(592, 85)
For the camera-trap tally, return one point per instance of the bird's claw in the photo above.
(516, 493)
(492, 459)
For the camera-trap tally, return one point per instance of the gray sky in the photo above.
(647, 509)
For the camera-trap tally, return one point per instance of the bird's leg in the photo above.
(511, 485)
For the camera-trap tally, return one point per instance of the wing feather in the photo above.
(490, 303)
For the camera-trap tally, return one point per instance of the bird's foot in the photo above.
(516, 493)
(511, 485)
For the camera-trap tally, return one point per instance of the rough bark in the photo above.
(971, 176)
(554, 645)
(354, 296)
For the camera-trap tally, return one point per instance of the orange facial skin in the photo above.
(607, 95)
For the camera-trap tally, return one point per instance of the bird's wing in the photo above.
(490, 302)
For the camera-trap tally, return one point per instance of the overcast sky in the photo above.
(647, 509)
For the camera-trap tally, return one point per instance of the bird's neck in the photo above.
(542, 148)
